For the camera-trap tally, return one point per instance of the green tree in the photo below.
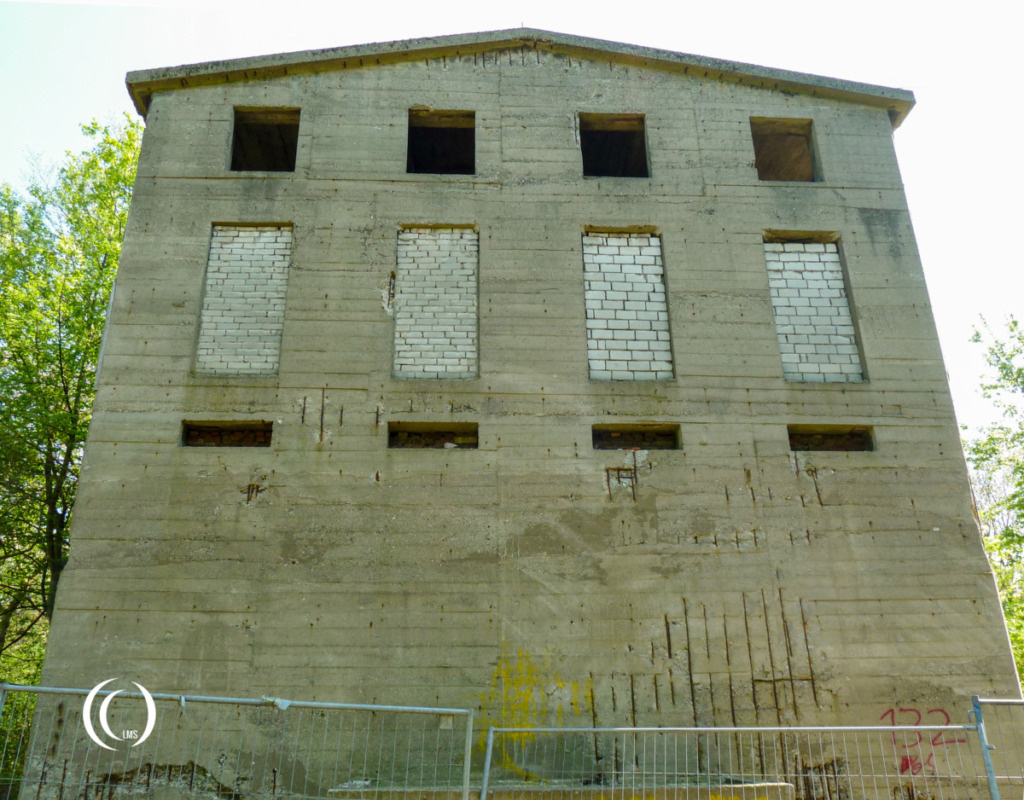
(997, 458)
(59, 249)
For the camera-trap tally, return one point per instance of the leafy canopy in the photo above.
(997, 458)
(59, 249)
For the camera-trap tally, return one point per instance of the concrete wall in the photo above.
(744, 583)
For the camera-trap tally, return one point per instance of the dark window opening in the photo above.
(265, 139)
(635, 437)
(249, 433)
(613, 145)
(441, 142)
(840, 438)
(782, 149)
(433, 435)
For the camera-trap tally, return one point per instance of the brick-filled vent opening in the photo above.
(441, 142)
(254, 433)
(837, 438)
(433, 436)
(265, 139)
(783, 149)
(613, 145)
(636, 437)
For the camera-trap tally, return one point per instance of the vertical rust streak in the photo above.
(323, 403)
(771, 657)
(668, 637)
(789, 653)
(303, 420)
(341, 416)
(704, 609)
(657, 699)
(632, 699)
(728, 668)
(672, 686)
(732, 702)
(707, 650)
(817, 489)
(593, 722)
(689, 662)
(807, 646)
(750, 657)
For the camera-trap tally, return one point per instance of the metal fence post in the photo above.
(487, 763)
(986, 748)
(467, 756)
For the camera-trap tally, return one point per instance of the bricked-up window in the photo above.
(243, 305)
(435, 307)
(783, 150)
(433, 436)
(265, 139)
(635, 437)
(247, 433)
(441, 142)
(627, 311)
(613, 145)
(831, 437)
(813, 319)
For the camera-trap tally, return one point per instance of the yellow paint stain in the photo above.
(520, 697)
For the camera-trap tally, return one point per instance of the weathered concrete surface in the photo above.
(745, 584)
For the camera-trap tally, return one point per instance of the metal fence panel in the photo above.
(225, 748)
(893, 763)
(1002, 722)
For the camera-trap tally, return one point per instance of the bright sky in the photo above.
(959, 150)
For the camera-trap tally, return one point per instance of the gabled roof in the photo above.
(143, 84)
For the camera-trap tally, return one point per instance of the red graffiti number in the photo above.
(914, 764)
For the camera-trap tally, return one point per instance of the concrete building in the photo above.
(558, 378)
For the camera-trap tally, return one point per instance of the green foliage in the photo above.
(59, 248)
(998, 461)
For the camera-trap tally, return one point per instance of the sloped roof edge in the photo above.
(142, 84)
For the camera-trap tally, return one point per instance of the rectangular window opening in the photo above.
(836, 438)
(433, 435)
(245, 433)
(783, 149)
(441, 142)
(613, 145)
(265, 139)
(636, 437)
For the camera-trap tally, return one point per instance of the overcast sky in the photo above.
(959, 150)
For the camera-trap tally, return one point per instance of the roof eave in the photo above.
(143, 84)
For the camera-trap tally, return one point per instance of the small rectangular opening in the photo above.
(613, 145)
(636, 437)
(441, 142)
(265, 139)
(433, 435)
(838, 438)
(782, 149)
(246, 433)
